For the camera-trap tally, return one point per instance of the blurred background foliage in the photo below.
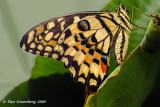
(17, 17)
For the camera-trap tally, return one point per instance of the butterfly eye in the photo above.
(83, 25)
(123, 6)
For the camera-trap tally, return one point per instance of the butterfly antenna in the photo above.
(133, 7)
(141, 26)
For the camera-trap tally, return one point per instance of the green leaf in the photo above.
(47, 66)
(91, 101)
(136, 79)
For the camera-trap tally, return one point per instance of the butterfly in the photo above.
(82, 41)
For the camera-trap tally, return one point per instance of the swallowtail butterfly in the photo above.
(82, 41)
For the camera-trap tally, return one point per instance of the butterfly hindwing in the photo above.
(90, 56)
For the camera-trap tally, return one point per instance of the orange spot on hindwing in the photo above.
(103, 67)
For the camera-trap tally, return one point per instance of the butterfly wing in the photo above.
(48, 32)
(82, 41)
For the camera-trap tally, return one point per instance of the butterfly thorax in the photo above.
(125, 20)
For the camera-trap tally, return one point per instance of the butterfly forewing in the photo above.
(82, 41)
(48, 32)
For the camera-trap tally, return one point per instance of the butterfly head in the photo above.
(123, 9)
(123, 14)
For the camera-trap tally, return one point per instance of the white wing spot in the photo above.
(79, 57)
(38, 52)
(70, 41)
(76, 19)
(40, 47)
(60, 19)
(62, 25)
(49, 36)
(84, 70)
(24, 47)
(30, 36)
(81, 79)
(73, 71)
(70, 51)
(56, 36)
(48, 48)
(32, 45)
(56, 48)
(64, 60)
(50, 25)
(95, 69)
(93, 82)
(46, 31)
(40, 37)
(46, 54)
(31, 51)
(60, 50)
(61, 38)
(55, 56)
